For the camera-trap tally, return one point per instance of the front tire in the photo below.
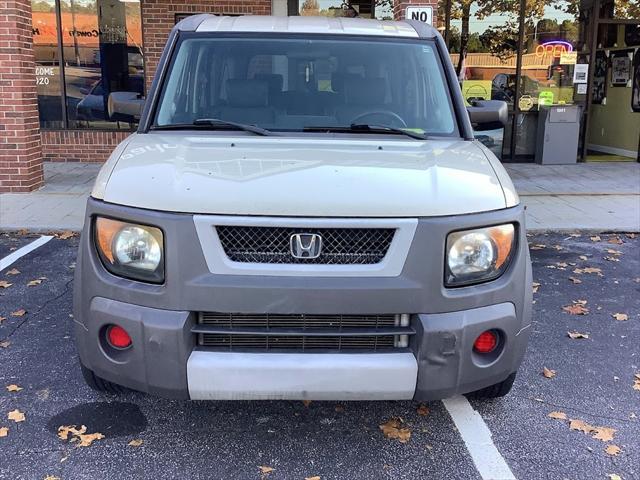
(495, 391)
(100, 384)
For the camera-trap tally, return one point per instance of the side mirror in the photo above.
(488, 114)
(125, 106)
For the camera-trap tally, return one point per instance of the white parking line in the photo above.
(21, 252)
(477, 438)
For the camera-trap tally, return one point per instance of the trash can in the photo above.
(558, 131)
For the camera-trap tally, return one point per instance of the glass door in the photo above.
(554, 70)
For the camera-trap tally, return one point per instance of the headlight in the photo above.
(130, 250)
(478, 255)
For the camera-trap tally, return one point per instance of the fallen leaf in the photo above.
(612, 259)
(615, 240)
(581, 426)
(51, 477)
(135, 443)
(18, 313)
(393, 429)
(13, 388)
(576, 309)
(595, 238)
(575, 335)
(604, 433)
(612, 450)
(583, 257)
(5, 343)
(575, 280)
(315, 477)
(339, 408)
(636, 381)
(33, 283)
(613, 476)
(88, 438)
(558, 415)
(631, 235)
(562, 264)
(66, 235)
(306, 403)
(2, 319)
(538, 246)
(622, 317)
(65, 430)
(5, 284)
(535, 286)
(16, 415)
(4, 431)
(548, 373)
(580, 271)
(264, 470)
(13, 271)
(423, 410)
(613, 252)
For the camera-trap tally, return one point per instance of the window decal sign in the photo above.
(581, 73)
(621, 68)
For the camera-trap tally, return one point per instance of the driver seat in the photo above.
(362, 95)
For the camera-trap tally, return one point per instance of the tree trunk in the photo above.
(464, 35)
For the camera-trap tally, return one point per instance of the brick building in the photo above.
(60, 59)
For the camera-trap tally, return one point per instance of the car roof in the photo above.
(304, 24)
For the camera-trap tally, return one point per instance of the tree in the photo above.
(310, 7)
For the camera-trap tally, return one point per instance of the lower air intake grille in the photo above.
(242, 332)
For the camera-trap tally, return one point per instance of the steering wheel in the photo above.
(388, 113)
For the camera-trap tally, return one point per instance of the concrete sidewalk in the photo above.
(593, 196)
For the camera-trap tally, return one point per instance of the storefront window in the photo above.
(101, 53)
(338, 8)
(550, 53)
(483, 41)
(48, 79)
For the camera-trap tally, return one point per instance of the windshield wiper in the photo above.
(367, 128)
(214, 124)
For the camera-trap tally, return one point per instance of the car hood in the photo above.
(329, 177)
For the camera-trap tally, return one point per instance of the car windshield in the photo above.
(300, 83)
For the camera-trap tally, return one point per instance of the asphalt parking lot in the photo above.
(591, 384)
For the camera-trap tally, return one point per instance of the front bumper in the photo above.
(165, 360)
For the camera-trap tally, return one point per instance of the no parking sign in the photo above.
(421, 13)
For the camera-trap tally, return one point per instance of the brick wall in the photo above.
(20, 151)
(79, 146)
(158, 17)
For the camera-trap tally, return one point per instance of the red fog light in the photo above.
(486, 342)
(118, 337)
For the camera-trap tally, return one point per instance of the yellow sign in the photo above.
(525, 103)
(568, 58)
(545, 98)
(480, 89)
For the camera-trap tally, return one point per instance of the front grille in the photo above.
(340, 246)
(265, 332)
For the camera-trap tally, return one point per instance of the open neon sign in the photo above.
(553, 48)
